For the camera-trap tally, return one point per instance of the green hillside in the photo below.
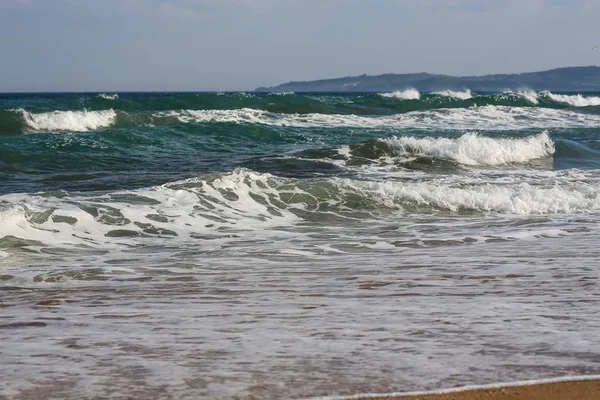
(559, 79)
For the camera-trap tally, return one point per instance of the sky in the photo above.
(215, 45)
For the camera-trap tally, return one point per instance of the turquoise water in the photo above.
(241, 245)
(137, 140)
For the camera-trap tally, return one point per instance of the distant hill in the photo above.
(560, 79)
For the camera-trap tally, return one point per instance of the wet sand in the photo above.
(574, 390)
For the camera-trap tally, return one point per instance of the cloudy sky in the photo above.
(139, 45)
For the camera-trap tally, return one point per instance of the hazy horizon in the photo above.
(239, 45)
(100, 91)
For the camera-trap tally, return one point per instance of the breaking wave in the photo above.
(244, 201)
(108, 96)
(401, 109)
(408, 94)
(462, 95)
(473, 149)
(529, 95)
(574, 100)
(473, 118)
(74, 121)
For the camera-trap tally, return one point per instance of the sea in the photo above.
(296, 245)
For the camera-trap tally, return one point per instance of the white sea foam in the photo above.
(518, 199)
(407, 94)
(231, 201)
(580, 378)
(108, 96)
(577, 100)
(244, 115)
(473, 149)
(528, 94)
(254, 254)
(244, 202)
(75, 121)
(282, 94)
(462, 95)
(474, 118)
(574, 100)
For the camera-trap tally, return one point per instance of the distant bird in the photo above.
(594, 47)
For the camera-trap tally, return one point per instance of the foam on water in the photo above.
(473, 149)
(244, 202)
(203, 321)
(233, 276)
(479, 118)
(462, 95)
(75, 121)
(407, 94)
(108, 96)
(244, 284)
(574, 100)
(521, 199)
(581, 378)
(237, 201)
(528, 94)
(577, 100)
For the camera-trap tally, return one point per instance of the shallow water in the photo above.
(265, 247)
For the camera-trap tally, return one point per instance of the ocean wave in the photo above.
(462, 95)
(240, 203)
(472, 118)
(407, 94)
(213, 206)
(573, 100)
(441, 110)
(108, 96)
(518, 199)
(530, 95)
(475, 150)
(576, 100)
(74, 121)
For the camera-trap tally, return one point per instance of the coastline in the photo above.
(578, 387)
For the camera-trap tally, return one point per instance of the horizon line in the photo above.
(292, 81)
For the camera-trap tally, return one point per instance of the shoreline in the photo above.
(585, 387)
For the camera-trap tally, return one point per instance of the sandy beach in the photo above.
(565, 390)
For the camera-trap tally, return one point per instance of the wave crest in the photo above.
(530, 95)
(472, 118)
(473, 149)
(462, 95)
(282, 94)
(574, 100)
(108, 96)
(407, 94)
(240, 203)
(74, 121)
